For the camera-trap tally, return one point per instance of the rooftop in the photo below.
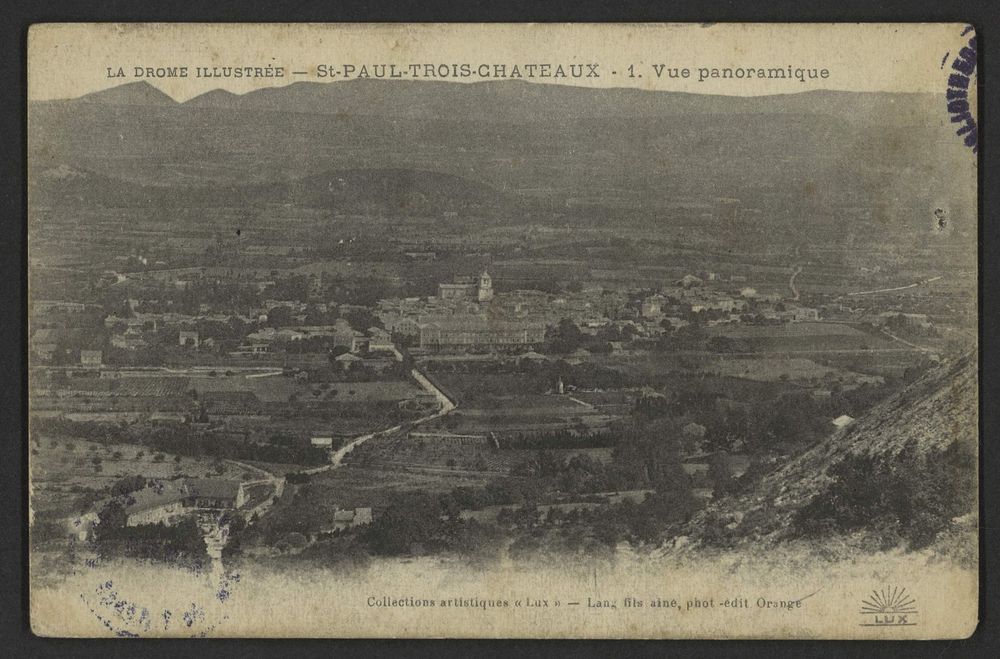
(214, 488)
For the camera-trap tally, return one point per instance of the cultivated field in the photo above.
(777, 368)
(278, 389)
(358, 486)
(803, 337)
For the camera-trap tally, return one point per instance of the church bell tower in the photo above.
(485, 288)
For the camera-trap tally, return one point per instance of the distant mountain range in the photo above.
(613, 151)
(524, 101)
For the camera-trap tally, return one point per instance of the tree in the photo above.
(128, 485)
(411, 519)
(279, 317)
(719, 474)
(564, 338)
(110, 518)
(721, 344)
(362, 319)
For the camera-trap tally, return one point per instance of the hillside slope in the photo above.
(897, 477)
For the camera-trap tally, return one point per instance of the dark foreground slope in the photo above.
(903, 476)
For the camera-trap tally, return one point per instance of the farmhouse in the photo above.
(187, 338)
(653, 306)
(44, 351)
(90, 358)
(213, 494)
(800, 314)
(345, 519)
(131, 339)
(168, 502)
(253, 348)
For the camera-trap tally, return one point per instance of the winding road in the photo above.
(447, 405)
(896, 288)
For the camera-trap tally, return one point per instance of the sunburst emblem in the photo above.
(889, 600)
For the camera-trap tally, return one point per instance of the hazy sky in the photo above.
(70, 60)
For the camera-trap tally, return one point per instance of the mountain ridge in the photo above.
(140, 92)
(517, 99)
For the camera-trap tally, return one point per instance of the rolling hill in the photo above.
(610, 152)
(355, 190)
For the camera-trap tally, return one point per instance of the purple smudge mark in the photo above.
(117, 614)
(957, 95)
(122, 614)
(117, 607)
(195, 614)
(225, 592)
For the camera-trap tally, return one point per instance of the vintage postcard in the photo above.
(546, 331)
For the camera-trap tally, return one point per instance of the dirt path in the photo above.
(447, 405)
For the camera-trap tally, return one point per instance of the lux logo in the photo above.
(891, 607)
(890, 620)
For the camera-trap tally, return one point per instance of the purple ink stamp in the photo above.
(961, 92)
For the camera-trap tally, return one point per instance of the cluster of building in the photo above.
(136, 332)
(472, 331)
(169, 502)
(467, 314)
(676, 304)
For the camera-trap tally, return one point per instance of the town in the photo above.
(279, 403)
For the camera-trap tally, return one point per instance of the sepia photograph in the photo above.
(545, 331)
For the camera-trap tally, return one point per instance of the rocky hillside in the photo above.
(898, 477)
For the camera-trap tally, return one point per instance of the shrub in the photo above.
(910, 497)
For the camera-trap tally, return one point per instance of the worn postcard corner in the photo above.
(494, 331)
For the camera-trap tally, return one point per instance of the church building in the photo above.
(466, 288)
